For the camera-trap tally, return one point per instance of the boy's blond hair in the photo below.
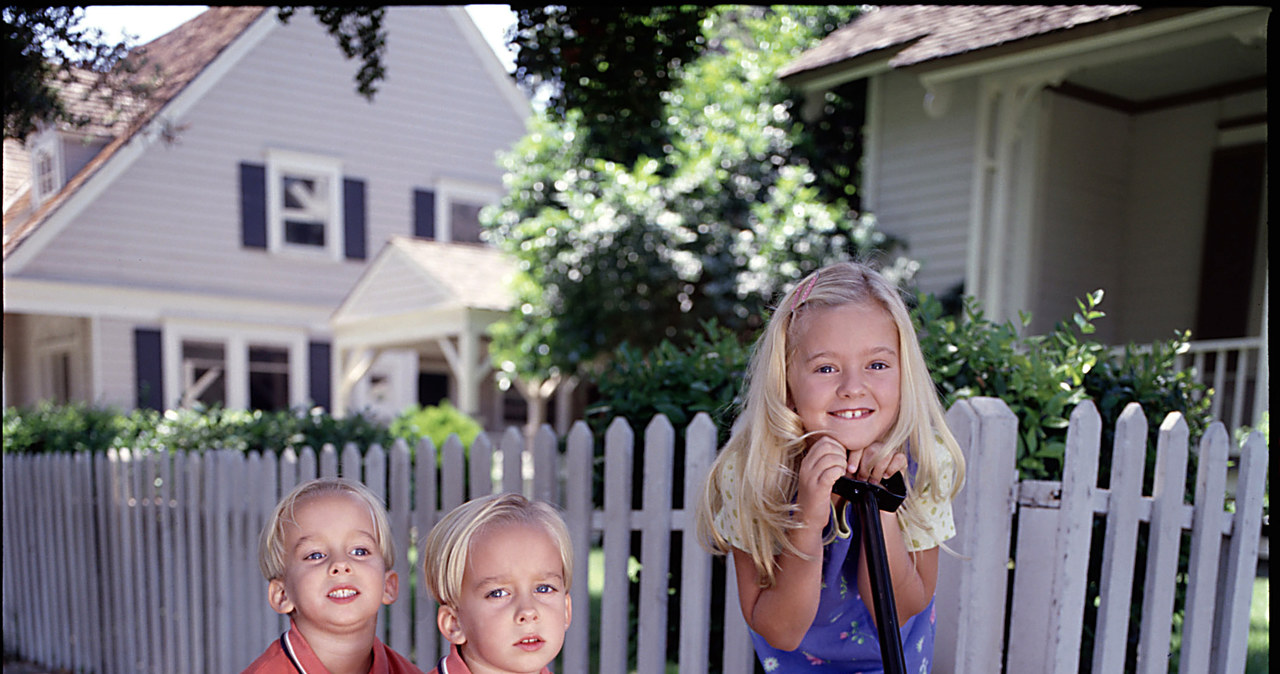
(768, 439)
(271, 552)
(448, 546)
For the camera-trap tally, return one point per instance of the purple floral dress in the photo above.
(843, 636)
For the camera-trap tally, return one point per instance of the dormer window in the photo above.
(304, 204)
(46, 167)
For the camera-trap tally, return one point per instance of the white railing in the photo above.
(123, 563)
(1236, 370)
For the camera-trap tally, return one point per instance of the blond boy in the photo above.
(500, 567)
(327, 555)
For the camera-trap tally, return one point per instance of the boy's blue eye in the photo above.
(315, 555)
(826, 369)
(361, 552)
(879, 366)
(496, 594)
(545, 588)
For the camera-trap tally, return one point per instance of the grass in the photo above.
(1259, 627)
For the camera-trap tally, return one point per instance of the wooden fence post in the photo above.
(1163, 542)
(695, 563)
(426, 640)
(971, 588)
(579, 459)
(1230, 645)
(614, 630)
(1128, 463)
(655, 557)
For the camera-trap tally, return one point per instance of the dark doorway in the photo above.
(1230, 242)
(432, 388)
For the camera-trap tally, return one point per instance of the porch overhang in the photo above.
(425, 296)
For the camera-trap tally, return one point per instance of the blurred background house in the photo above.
(197, 248)
(1030, 155)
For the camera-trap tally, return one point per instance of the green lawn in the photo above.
(1259, 627)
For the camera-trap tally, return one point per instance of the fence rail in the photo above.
(147, 563)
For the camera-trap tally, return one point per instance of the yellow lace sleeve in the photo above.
(940, 524)
(726, 521)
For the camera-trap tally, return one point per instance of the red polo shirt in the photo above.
(290, 654)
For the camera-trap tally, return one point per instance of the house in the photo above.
(199, 249)
(1030, 155)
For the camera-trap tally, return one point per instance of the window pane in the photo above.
(305, 210)
(299, 193)
(304, 233)
(268, 378)
(204, 374)
(465, 221)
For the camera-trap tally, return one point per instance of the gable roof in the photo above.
(906, 35)
(420, 289)
(473, 275)
(176, 59)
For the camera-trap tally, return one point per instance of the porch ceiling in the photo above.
(1179, 72)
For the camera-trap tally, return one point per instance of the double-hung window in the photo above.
(304, 204)
(238, 370)
(451, 211)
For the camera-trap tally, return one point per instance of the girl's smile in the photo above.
(843, 373)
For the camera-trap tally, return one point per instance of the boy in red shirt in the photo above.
(500, 567)
(327, 555)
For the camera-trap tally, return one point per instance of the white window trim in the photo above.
(449, 190)
(236, 339)
(282, 162)
(50, 143)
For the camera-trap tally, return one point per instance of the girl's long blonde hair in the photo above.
(768, 438)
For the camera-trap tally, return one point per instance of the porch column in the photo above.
(469, 363)
(353, 365)
(1003, 192)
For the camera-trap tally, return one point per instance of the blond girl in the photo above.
(837, 386)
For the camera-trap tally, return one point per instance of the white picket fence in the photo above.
(127, 563)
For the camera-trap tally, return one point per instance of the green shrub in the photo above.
(1043, 377)
(435, 422)
(78, 427)
(677, 382)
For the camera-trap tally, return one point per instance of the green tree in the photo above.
(46, 49)
(610, 64)
(709, 226)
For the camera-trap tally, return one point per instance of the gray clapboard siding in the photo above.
(171, 219)
(923, 178)
(128, 562)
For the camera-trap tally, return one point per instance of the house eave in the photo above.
(833, 75)
(1144, 32)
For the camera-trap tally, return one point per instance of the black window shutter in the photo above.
(253, 205)
(318, 373)
(148, 368)
(424, 214)
(353, 218)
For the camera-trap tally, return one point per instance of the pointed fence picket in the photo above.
(147, 562)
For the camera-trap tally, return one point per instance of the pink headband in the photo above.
(803, 295)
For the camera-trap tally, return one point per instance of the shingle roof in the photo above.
(181, 55)
(927, 32)
(477, 276)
